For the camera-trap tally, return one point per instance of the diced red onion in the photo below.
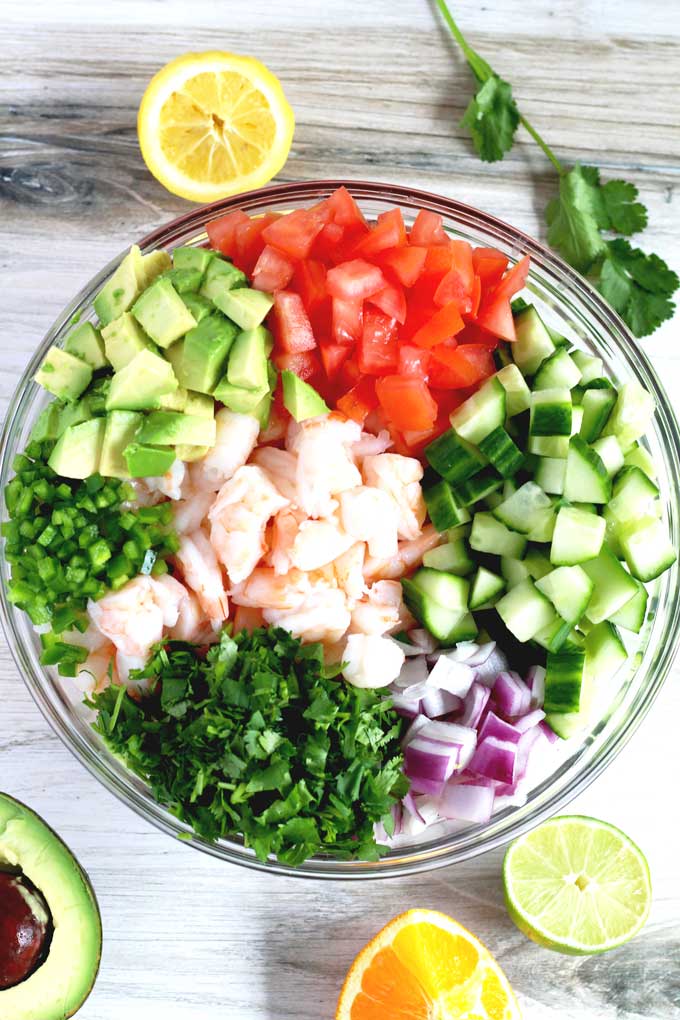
(430, 759)
(412, 825)
(415, 727)
(428, 808)
(474, 703)
(471, 653)
(526, 722)
(462, 738)
(423, 639)
(467, 802)
(409, 650)
(454, 677)
(487, 671)
(408, 707)
(526, 742)
(414, 671)
(535, 681)
(494, 726)
(410, 805)
(437, 703)
(496, 759)
(548, 733)
(511, 694)
(421, 784)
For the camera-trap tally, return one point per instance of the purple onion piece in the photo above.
(511, 694)
(494, 726)
(535, 681)
(487, 672)
(496, 759)
(474, 704)
(467, 802)
(531, 719)
(438, 703)
(415, 727)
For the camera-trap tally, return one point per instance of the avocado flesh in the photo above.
(78, 449)
(85, 342)
(248, 359)
(166, 428)
(247, 308)
(139, 385)
(187, 257)
(238, 398)
(185, 281)
(63, 981)
(145, 461)
(220, 278)
(151, 266)
(204, 352)
(300, 398)
(63, 374)
(121, 288)
(162, 314)
(124, 338)
(121, 429)
(199, 306)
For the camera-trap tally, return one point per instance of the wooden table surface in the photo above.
(378, 92)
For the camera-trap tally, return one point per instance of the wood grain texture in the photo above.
(378, 91)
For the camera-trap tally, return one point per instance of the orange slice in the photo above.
(425, 966)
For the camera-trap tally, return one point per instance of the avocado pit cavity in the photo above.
(25, 929)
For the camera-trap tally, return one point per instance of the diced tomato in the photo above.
(349, 374)
(428, 229)
(358, 402)
(438, 262)
(355, 280)
(406, 401)
(449, 400)
(344, 210)
(248, 241)
(489, 265)
(454, 368)
(305, 364)
(513, 281)
(391, 300)
(294, 233)
(327, 241)
(475, 334)
(309, 280)
(273, 270)
(247, 618)
(406, 263)
(221, 232)
(378, 349)
(344, 249)
(496, 317)
(457, 284)
(333, 356)
(476, 295)
(347, 320)
(290, 324)
(445, 323)
(413, 361)
(389, 232)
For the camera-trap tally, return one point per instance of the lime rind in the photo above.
(577, 885)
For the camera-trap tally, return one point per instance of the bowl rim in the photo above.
(415, 858)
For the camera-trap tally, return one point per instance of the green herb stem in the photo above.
(542, 144)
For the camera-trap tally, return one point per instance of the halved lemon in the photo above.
(425, 966)
(214, 124)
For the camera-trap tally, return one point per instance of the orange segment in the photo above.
(425, 966)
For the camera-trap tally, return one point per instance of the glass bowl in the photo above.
(567, 303)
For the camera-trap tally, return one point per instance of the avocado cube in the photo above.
(121, 429)
(73, 414)
(239, 399)
(152, 265)
(63, 374)
(300, 398)
(139, 385)
(78, 450)
(205, 352)
(198, 306)
(47, 425)
(200, 404)
(248, 359)
(192, 258)
(176, 401)
(185, 281)
(247, 308)
(86, 343)
(121, 289)
(161, 312)
(263, 409)
(220, 278)
(190, 453)
(166, 428)
(124, 338)
(148, 461)
(96, 397)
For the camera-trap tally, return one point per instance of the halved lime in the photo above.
(577, 885)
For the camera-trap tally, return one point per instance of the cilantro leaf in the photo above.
(492, 118)
(625, 214)
(572, 220)
(637, 285)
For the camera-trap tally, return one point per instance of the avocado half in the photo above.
(60, 984)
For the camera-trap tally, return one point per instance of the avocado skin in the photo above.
(21, 999)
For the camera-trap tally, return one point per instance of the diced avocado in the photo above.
(176, 401)
(139, 385)
(200, 404)
(162, 313)
(119, 292)
(86, 343)
(239, 399)
(248, 359)
(151, 266)
(175, 356)
(198, 306)
(263, 409)
(121, 429)
(63, 374)
(248, 308)
(192, 258)
(78, 450)
(73, 414)
(185, 281)
(148, 461)
(300, 398)
(123, 339)
(205, 350)
(47, 425)
(166, 428)
(220, 278)
(96, 396)
(189, 453)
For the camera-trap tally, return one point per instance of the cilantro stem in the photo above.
(542, 144)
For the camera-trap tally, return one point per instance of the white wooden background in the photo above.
(378, 91)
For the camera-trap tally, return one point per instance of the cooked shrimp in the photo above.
(378, 612)
(369, 445)
(239, 518)
(92, 638)
(234, 443)
(171, 483)
(348, 571)
(322, 616)
(169, 593)
(371, 660)
(324, 462)
(371, 515)
(318, 543)
(201, 571)
(281, 466)
(284, 532)
(99, 668)
(400, 477)
(131, 617)
(409, 555)
(189, 513)
(265, 588)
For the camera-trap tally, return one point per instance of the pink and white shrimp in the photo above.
(283, 535)
(281, 466)
(400, 478)
(380, 611)
(264, 588)
(202, 573)
(235, 440)
(318, 543)
(324, 462)
(348, 571)
(322, 616)
(409, 555)
(371, 515)
(371, 660)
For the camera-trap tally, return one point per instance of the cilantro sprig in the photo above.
(585, 213)
(260, 740)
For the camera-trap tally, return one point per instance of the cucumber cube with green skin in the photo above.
(551, 413)
(549, 446)
(558, 370)
(446, 590)
(452, 557)
(633, 495)
(640, 458)
(124, 338)
(597, 406)
(480, 486)
(139, 385)
(632, 414)
(487, 588)
(537, 563)
(187, 257)
(550, 474)
(302, 400)
(78, 449)
(646, 547)
(161, 312)
(587, 479)
(489, 535)
(502, 452)
(631, 616)
(85, 342)
(525, 509)
(569, 589)
(577, 538)
(465, 630)
(247, 308)
(608, 450)
(63, 374)
(525, 610)
(248, 359)
(120, 291)
(121, 429)
(612, 586)
(220, 278)
(533, 343)
(205, 350)
(517, 393)
(453, 457)
(166, 428)
(441, 622)
(605, 651)
(514, 570)
(555, 636)
(481, 413)
(145, 461)
(563, 678)
(589, 366)
(199, 306)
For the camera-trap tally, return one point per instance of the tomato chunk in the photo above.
(327, 241)
(414, 361)
(428, 229)
(305, 364)
(294, 233)
(406, 263)
(273, 270)
(489, 265)
(344, 210)
(355, 280)
(360, 400)
(309, 280)
(347, 320)
(445, 323)
(513, 281)
(392, 301)
(221, 232)
(389, 232)
(378, 349)
(290, 324)
(333, 356)
(461, 366)
(406, 401)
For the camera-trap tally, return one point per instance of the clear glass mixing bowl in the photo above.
(574, 308)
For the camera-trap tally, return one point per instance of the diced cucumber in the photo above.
(453, 557)
(633, 495)
(554, 637)
(549, 446)
(502, 452)
(537, 563)
(526, 509)
(550, 474)
(476, 488)
(558, 370)
(460, 531)
(509, 486)
(586, 479)
(481, 413)
(453, 457)
(491, 536)
(544, 527)
(514, 570)
(605, 652)
(597, 406)
(563, 678)
(576, 420)
(609, 452)
(569, 589)
(578, 537)
(632, 414)
(551, 412)
(465, 629)
(517, 393)
(589, 366)
(611, 535)
(533, 342)
(442, 506)
(494, 499)
(612, 586)
(525, 610)
(447, 590)
(641, 458)
(631, 616)
(440, 622)
(646, 547)
(486, 589)
(576, 639)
